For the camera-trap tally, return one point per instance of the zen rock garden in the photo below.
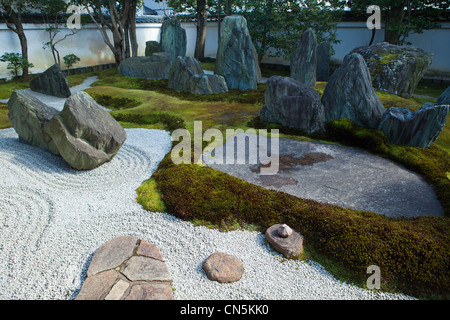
(87, 136)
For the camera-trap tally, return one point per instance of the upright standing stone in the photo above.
(444, 98)
(304, 60)
(52, 82)
(186, 74)
(182, 71)
(151, 47)
(395, 69)
(323, 61)
(418, 129)
(237, 60)
(293, 104)
(173, 39)
(349, 94)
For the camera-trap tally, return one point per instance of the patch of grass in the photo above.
(430, 90)
(161, 86)
(213, 114)
(77, 79)
(4, 120)
(116, 103)
(7, 88)
(209, 66)
(166, 121)
(390, 100)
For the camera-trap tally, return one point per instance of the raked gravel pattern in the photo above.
(53, 219)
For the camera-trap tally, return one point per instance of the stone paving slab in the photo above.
(337, 175)
(127, 268)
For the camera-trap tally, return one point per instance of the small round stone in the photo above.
(284, 231)
(223, 268)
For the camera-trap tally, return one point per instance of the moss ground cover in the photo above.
(411, 252)
(4, 120)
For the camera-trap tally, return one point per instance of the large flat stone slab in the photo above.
(342, 176)
(127, 268)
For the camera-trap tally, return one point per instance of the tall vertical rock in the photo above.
(444, 98)
(292, 104)
(323, 61)
(151, 47)
(173, 39)
(349, 94)
(236, 59)
(304, 60)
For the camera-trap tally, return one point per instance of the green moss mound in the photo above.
(168, 121)
(411, 253)
(115, 103)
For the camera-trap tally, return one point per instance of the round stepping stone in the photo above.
(290, 246)
(223, 268)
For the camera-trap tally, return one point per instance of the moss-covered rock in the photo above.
(395, 69)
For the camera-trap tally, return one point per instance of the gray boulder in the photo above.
(293, 104)
(151, 47)
(418, 129)
(444, 98)
(157, 66)
(237, 59)
(208, 84)
(304, 60)
(182, 71)
(52, 82)
(395, 69)
(173, 39)
(84, 134)
(28, 115)
(323, 61)
(349, 94)
(186, 74)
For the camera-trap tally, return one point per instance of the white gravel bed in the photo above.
(53, 219)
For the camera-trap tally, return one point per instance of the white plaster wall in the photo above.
(88, 44)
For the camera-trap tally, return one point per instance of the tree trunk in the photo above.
(132, 25)
(219, 18)
(127, 40)
(373, 36)
(228, 7)
(202, 14)
(395, 18)
(17, 27)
